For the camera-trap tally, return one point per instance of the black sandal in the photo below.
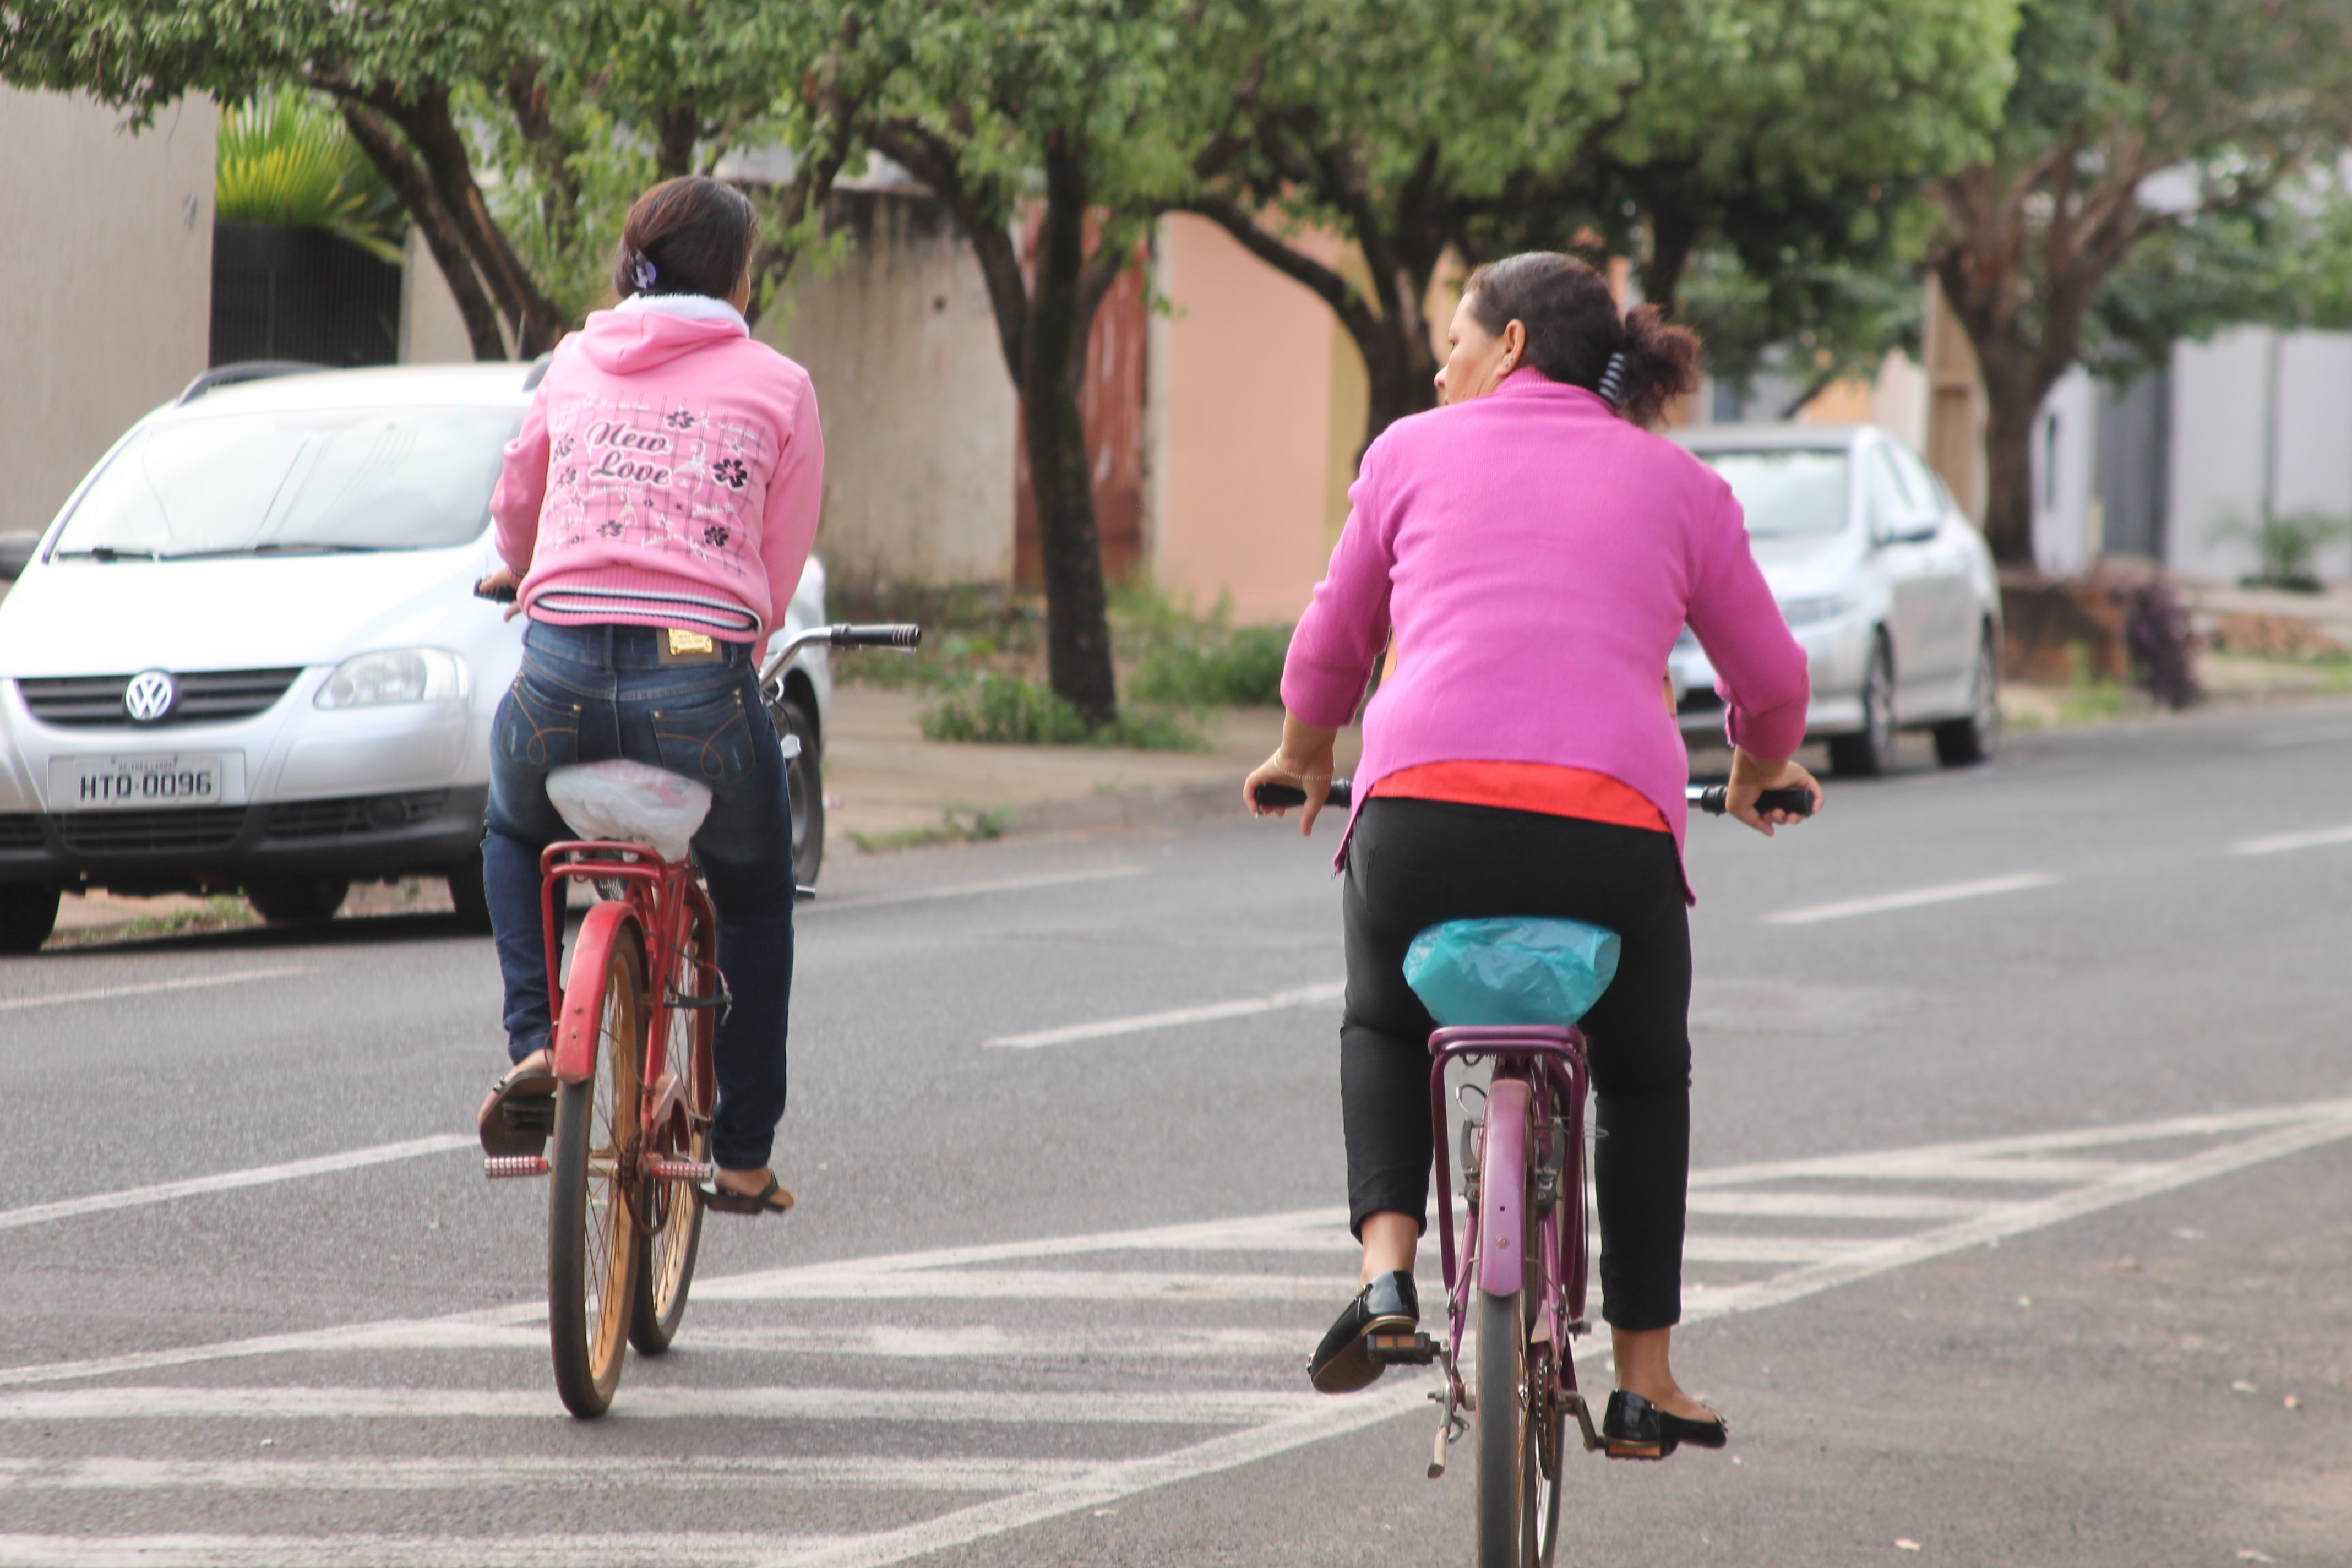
(1343, 1362)
(519, 1115)
(1634, 1428)
(764, 1200)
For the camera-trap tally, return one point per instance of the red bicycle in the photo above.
(631, 1145)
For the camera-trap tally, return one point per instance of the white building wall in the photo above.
(2065, 462)
(106, 239)
(2259, 418)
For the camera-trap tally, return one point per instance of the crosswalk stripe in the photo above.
(703, 1473)
(195, 1551)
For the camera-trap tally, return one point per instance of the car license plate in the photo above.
(158, 779)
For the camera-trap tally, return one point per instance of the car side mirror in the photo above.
(1910, 527)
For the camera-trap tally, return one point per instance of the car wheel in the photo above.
(1960, 742)
(467, 892)
(805, 779)
(28, 913)
(1872, 749)
(296, 900)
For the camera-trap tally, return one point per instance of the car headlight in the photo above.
(394, 675)
(1821, 607)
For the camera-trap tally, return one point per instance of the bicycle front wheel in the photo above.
(591, 1237)
(1501, 1418)
(673, 1213)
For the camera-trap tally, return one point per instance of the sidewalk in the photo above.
(887, 787)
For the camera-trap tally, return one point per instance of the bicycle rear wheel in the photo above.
(665, 1269)
(1504, 1452)
(592, 1240)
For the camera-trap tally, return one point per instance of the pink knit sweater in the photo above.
(1537, 556)
(669, 474)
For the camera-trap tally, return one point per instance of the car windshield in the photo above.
(303, 480)
(1788, 492)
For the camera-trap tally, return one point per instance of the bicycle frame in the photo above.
(1525, 1058)
(660, 901)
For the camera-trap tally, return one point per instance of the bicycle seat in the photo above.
(1521, 970)
(631, 802)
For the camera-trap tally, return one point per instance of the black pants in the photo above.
(1415, 863)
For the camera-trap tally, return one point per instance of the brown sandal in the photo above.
(519, 1115)
(769, 1199)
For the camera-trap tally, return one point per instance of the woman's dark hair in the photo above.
(689, 236)
(1573, 327)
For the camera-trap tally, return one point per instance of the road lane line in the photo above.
(703, 1472)
(1035, 1285)
(229, 1181)
(1203, 1407)
(552, 1551)
(1951, 892)
(146, 988)
(971, 890)
(1072, 1034)
(2280, 843)
(1832, 1206)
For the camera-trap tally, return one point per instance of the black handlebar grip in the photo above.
(885, 635)
(1270, 796)
(1796, 801)
(502, 595)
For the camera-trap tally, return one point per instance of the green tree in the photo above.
(1051, 119)
(2130, 122)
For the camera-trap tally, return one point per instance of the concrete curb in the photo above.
(1129, 809)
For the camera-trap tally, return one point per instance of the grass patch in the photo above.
(957, 825)
(221, 913)
(995, 708)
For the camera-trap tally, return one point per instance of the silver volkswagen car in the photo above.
(1882, 577)
(246, 654)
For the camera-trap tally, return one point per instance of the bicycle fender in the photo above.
(575, 1026)
(1503, 1189)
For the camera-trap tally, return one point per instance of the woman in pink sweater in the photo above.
(1530, 553)
(657, 508)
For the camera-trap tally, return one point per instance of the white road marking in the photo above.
(229, 1181)
(1023, 1285)
(2280, 843)
(698, 1473)
(191, 1551)
(1305, 995)
(971, 890)
(146, 988)
(1272, 1423)
(1832, 1206)
(1917, 897)
(1204, 1408)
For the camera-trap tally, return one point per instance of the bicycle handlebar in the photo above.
(1709, 798)
(504, 595)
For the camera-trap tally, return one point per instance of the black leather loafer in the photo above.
(1634, 1428)
(1387, 1305)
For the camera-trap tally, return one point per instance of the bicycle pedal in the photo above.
(1579, 1327)
(702, 1173)
(1400, 1349)
(502, 1165)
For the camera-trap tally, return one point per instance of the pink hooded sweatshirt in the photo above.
(1537, 556)
(669, 474)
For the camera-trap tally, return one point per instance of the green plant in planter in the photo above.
(2286, 544)
(284, 158)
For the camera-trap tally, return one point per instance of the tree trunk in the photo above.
(1673, 235)
(1077, 626)
(2012, 405)
(383, 147)
(676, 128)
(1400, 371)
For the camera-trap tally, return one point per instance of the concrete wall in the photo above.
(431, 330)
(2067, 514)
(1258, 406)
(2258, 417)
(106, 239)
(919, 415)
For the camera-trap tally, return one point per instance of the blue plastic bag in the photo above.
(1518, 970)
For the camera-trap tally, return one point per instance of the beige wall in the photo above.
(919, 415)
(106, 241)
(431, 330)
(1258, 406)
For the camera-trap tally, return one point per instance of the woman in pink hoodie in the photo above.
(1534, 552)
(656, 512)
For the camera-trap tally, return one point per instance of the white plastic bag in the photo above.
(631, 802)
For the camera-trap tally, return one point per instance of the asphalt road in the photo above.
(2023, 1123)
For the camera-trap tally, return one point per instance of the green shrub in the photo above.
(1209, 666)
(286, 158)
(1005, 709)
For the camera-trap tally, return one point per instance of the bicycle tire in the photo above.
(592, 1240)
(665, 1271)
(1501, 1421)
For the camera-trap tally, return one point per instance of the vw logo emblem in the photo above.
(149, 696)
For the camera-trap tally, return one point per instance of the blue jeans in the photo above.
(590, 694)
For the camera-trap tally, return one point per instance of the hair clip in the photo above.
(641, 274)
(1612, 380)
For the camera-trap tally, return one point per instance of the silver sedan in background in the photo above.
(1885, 581)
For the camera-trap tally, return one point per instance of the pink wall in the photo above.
(1257, 408)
